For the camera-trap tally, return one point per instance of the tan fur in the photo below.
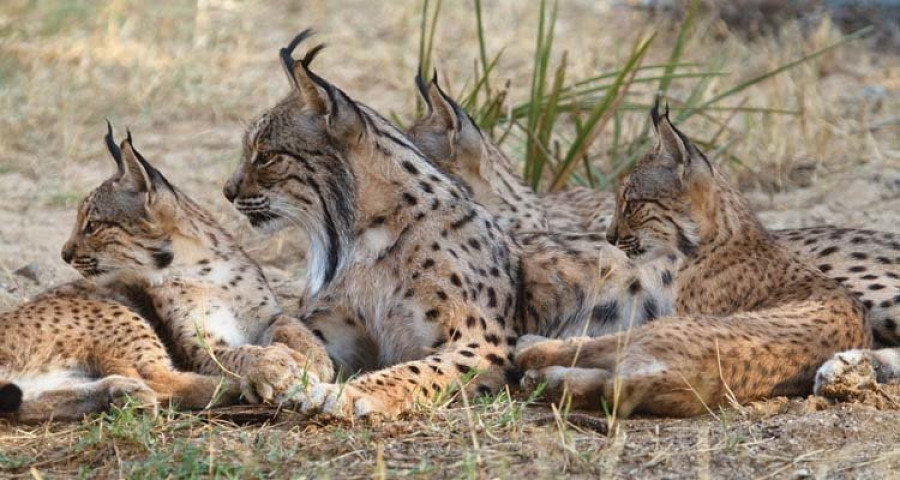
(214, 304)
(864, 261)
(76, 351)
(414, 285)
(752, 320)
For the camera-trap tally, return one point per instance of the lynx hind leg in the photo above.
(72, 402)
(192, 390)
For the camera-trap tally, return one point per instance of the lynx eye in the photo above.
(93, 225)
(264, 159)
(90, 227)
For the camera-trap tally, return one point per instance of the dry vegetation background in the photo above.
(186, 76)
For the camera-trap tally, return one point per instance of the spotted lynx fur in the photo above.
(751, 319)
(211, 304)
(864, 261)
(81, 348)
(413, 284)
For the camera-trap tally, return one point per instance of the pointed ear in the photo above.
(311, 97)
(134, 177)
(671, 146)
(449, 118)
(676, 151)
(441, 109)
(319, 97)
(142, 177)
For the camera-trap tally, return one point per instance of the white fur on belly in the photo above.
(35, 384)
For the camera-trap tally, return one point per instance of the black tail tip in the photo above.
(10, 398)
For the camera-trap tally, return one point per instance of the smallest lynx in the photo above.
(75, 350)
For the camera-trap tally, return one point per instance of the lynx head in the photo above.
(664, 203)
(300, 161)
(448, 136)
(294, 167)
(125, 224)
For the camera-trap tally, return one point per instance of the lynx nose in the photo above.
(230, 190)
(611, 236)
(68, 252)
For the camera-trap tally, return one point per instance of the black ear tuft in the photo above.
(286, 53)
(112, 147)
(423, 88)
(654, 112)
(311, 54)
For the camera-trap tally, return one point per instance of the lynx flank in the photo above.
(752, 321)
(864, 261)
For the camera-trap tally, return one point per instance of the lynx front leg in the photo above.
(477, 358)
(308, 351)
(388, 393)
(265, 372)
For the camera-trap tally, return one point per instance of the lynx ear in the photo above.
(141, 177)
(441, 112)
(318, 96)
(671, 146)
(674, 149)
(450, 120)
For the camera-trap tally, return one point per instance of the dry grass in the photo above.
(186, 76)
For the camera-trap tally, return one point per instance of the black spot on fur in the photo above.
(10, 398)
(667, 278)
(606, 312)
(410, 167)
(684, 245)
(651, 310)
(635, 287)
(495, 359)
(162, 258)
(828, 251)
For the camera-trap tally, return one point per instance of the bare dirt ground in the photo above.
(185, 78)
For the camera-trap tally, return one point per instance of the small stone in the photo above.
(802, 473)
(30, 272)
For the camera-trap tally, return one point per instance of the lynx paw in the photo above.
(585, 386)
(123, 391)
(274, 374)
(344, 402)
(850, 370)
